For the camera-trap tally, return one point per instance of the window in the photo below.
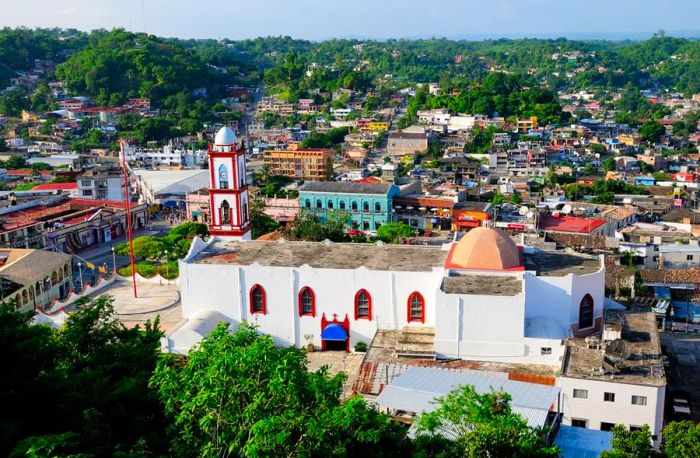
(605, 426)
(579, 423)
(258, 303)
(635, 428)
(319, 204)
(609, 397)
(307, 204)
(377, 207)
(365, 207)
(580, 394)
(330, 205)
(546, 350)
(585, 312)
(244, 215)
(416, 307)
(307, 302)
(363, 305)
(85, 183)
(225, 216)
(639, 400)
(342, 205)
(689, 257)
(87, 192)
(223, 177)
(353, 207)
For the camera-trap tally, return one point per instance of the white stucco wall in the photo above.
(595, 410)
(225, 288)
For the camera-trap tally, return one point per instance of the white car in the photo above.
(681, 406)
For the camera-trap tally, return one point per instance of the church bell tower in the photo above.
(228, 189)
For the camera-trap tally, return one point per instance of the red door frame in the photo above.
(345, 324)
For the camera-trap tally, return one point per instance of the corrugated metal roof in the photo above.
(345, 187)
(679, 248)
(416, 389)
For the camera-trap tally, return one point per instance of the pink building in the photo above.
(281, 210)
(197, 205)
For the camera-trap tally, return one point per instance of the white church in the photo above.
(483, 297)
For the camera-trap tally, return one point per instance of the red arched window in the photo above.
(258, 300)
(363, 305)
(585, 312)
(307, 302)
(416, 307)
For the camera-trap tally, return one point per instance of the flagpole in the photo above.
(122, 158)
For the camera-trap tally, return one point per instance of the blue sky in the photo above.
(321, 19)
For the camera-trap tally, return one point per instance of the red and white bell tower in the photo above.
(228, 189)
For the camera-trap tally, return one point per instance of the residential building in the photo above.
(402, 143)
(369, 204)
(300, 163)
(102, 183)
(679, 255)
(525, 124)
(34, 278)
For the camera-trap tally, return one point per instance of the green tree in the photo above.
(497, 199)
(81, 390)
(609, 164)
(393, 231)
(478, 425)
(16, 161)
(631, 444)
(651, 131)
(146, 246)
(240, 394)
(681, 439)
(515, 198)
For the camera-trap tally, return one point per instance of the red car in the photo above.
(354, 232)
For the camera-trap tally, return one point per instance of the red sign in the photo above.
(678, 202)
(516, 226)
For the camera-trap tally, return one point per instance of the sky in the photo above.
(379, 19)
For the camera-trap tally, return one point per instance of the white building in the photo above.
(101, 183)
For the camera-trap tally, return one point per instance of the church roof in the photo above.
(225, 136)
(485, 248)
(324, 255)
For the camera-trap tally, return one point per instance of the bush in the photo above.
(169, 270)
(361, 347)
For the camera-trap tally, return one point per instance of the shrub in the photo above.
(360, 346)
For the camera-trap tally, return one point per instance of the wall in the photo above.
(622, 411)
(202, 287)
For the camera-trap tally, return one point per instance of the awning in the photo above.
(334, 331)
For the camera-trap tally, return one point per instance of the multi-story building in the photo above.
(101, 183)
(401, 143)
(369, 204)
(301, 164)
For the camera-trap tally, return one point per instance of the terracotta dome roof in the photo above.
(485, 248)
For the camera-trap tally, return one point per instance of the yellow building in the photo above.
(629, 139)
(299, 163)
(378, 125)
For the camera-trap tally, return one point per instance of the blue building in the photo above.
(368, 204)
(645, 181)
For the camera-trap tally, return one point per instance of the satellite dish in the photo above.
(523, 210)
(530, 215)
(566, 209)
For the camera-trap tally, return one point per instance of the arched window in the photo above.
(416, 307)
(377, 207)
(363, 305)
(342, 205)
(319, 204)
(365, 207)
(223, 177)
(330, 205)
(258, 300)
(307, 302)
(307, 204)
(225, 210)
(585, 312)
(354, 206)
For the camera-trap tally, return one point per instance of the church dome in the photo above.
(485, 248)
(225, 136)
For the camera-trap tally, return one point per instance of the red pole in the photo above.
(128, 216)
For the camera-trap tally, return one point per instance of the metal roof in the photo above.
(346, 187)
(679, 248)
(582, 442)
(416, 389)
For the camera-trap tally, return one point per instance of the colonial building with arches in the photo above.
(33, 278)
(480, 298)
